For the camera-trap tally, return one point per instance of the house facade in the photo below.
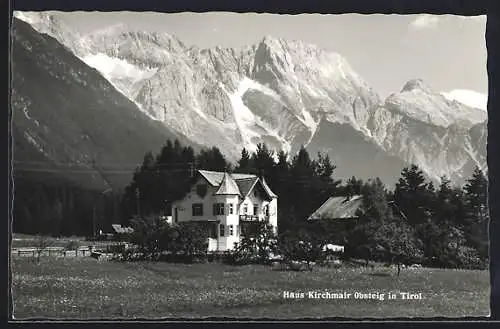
(230, 205)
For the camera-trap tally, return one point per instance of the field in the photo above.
(84, 288)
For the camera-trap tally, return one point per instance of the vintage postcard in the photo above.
(248, 166)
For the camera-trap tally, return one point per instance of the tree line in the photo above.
(413, 221)
(60, 208)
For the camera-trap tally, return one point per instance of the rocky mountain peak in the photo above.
(34, 18)
(416, 84)
(286, 93)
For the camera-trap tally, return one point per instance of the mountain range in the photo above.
(70, 123)
(286, 93)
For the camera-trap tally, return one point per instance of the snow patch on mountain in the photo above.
(467, 97)
(26, 17)
(308, 120)
(251, 84)
(116, 68)
(197, 109)
(250, 126)
(244, 118)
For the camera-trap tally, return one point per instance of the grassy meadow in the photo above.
(84, 288)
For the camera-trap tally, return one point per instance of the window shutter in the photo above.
(214, 207)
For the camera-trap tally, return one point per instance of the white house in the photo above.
(229, 204)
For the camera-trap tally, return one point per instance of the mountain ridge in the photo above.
(281, 92)
(85, 122)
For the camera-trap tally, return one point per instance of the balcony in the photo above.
(249, 218)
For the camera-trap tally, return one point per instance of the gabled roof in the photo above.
(241, 184)
(246, 184)
(215, 177)
(338, 208)
(228, 186)
(120, 229)
(267, 188)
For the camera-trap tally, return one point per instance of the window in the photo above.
(221, 230)
(231, 230)
(218, 209)
(245, 209)
(197, 209)
(231, 209)
(255, 209)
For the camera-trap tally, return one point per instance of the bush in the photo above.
(304, 244)
(116, 248)
(469, 258)
(253, 249)
(157, 240)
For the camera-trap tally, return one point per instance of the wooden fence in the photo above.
(52, 251)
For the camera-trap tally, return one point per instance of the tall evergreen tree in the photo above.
(245, 163)
(263, 160)
(353, 186)
(476, 201)
(212, 159)
(412, 195)
(477, 194)
(364, 240)
(302, 174)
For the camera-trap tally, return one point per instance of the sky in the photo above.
(448, 52)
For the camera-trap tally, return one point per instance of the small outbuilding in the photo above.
(339, 208)
(122, 230)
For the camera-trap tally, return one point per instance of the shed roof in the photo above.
(338, 208)
(120, 229)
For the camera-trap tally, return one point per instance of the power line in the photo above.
(108, 164)
(93, 170)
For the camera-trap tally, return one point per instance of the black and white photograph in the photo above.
(248, 166)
